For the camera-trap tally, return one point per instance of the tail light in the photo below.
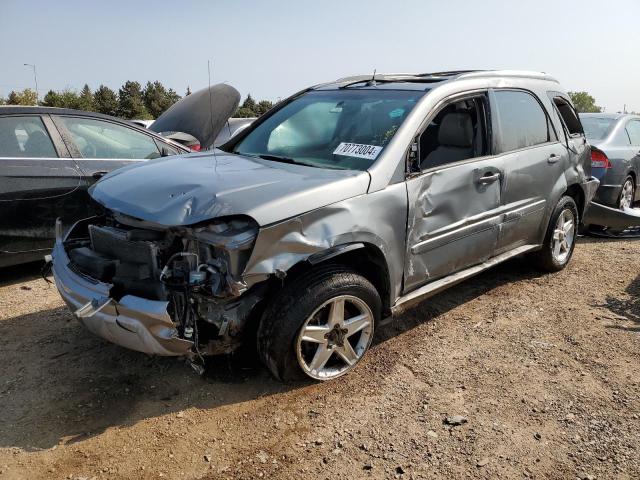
(599, 159)
(195, 148)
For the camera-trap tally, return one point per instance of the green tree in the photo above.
(52, 99)
(131, 103)
(85, 100)
(69, 99)
(263, 107)
(3, 101)
(247, 109)
(105, 101)
(25, 97)
(584, 102)
(157, 98)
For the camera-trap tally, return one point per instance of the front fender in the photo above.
(377, 218)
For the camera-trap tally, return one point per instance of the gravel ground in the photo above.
(511, 374)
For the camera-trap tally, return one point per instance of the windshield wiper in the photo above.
(277, 158)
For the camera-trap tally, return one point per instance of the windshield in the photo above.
(345, 129)
(596, 128)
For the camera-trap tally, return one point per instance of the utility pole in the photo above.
(35, 78)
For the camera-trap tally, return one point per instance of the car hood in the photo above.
(202, 114)
(184, 190)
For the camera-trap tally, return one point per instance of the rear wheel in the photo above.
(627, 194)
(319, 326)
(561, 236)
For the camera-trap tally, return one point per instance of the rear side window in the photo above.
(523, 122)
(569, 116)
(99, 139)
(633, 129)
(25, 137)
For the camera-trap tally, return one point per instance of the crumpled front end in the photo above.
(159, 290)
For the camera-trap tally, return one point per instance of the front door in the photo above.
(38, 183)
(455, 197)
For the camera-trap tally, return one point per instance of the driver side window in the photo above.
(457, 132)
(99, 139)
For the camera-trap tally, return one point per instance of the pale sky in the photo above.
(272, 49)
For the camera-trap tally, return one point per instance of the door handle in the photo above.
(489, 178)
(553, 158)
(98, 175)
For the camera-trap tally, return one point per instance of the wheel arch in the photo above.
(575, 191)
(364, 258)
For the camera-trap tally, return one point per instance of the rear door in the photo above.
(453, 193)
(534, 160)
(38, 183)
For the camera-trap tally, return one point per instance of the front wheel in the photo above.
(319, 326)
(560, 239)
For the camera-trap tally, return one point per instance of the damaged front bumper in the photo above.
(131, 322)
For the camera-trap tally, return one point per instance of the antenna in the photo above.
(211, 109)
(373, 78)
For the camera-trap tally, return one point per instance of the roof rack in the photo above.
(402, 77)
(434, 77)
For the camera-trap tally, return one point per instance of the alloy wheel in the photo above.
(626, 196)
(335, 337)
(563, 236)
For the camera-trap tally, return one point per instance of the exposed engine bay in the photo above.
(196, 270)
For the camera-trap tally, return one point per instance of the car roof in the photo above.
(613, 116)
(426, 81)
(37, 110)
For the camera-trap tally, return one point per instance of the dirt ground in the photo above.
(544, 368)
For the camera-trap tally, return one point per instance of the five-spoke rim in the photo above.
(626, 197)
(563, 235)
(334, 337)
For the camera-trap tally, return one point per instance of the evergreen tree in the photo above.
(157, 98)
(105, 101)
(52, 99)
(85, 100)
(131, 103)
(263, 107)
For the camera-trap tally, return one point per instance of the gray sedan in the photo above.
(615, 156)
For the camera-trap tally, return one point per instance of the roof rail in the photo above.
(510, 73)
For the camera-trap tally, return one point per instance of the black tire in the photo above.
(285, 315)
(633, 191)
(544, 258)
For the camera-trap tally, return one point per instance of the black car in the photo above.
(49, 157)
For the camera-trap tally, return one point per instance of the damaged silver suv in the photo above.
(345, 204)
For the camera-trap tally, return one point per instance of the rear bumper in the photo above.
(132, 322)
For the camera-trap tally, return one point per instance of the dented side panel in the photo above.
(377, 219)
(453, 220)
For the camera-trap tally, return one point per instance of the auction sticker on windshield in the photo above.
(358, 150)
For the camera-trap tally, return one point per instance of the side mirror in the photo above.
(164, 151)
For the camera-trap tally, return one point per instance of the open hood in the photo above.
(202, 114)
